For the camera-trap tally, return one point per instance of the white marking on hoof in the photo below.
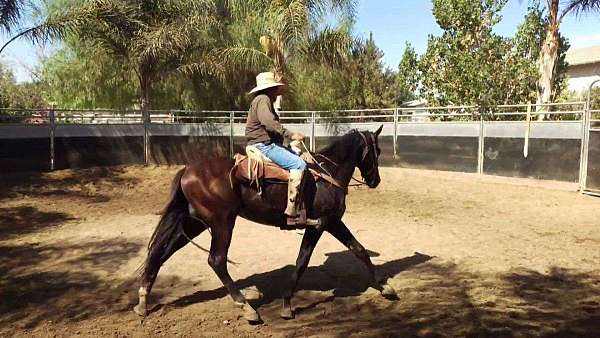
(287, 313)
(388, 291)
(250, 314)
(142, 292)
(141, 311)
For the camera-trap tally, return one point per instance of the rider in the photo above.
(265, 132)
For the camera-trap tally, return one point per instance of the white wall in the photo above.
(579, 77)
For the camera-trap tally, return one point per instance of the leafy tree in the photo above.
(468, 63)
(528, 43)
(82, 76)
(277, 34)
(549, 58)
(371, 86)
(151, 38)
(361, 81)
(7, 82)
(407, 79)
(14, 95)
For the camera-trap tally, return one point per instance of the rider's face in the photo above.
(275, 91)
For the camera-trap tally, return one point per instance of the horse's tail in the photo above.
(172, 220)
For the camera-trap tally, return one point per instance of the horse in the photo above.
(204, 196)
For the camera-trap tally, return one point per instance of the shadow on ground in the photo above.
(437, 299)
(81, 183)
(25, 219)
(59, 283)
(73, 282)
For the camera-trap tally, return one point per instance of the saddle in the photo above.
(254, 168)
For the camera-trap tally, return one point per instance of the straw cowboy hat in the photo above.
(265, 80)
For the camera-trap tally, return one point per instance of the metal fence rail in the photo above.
(479, 121)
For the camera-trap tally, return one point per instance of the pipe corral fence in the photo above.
(506, 140)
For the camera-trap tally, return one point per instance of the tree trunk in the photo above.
(279, 77)
(548, 60)
(145, 89)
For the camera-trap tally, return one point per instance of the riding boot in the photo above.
(294, 210)
(294, 184)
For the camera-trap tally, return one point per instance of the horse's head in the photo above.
(368, 162)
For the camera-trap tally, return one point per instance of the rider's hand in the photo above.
(297, 136)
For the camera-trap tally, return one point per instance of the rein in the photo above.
(335, 164)
(365, 153)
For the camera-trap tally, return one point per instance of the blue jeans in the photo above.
(281, 156)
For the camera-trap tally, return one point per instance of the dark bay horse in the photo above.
(203, 197)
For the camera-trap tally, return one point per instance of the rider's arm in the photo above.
(264, 110)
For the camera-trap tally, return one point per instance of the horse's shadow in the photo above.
(341, 275)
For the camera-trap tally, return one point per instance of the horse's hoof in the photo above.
(140, 311)
(388, 292)
(287, 313)
(251, 315)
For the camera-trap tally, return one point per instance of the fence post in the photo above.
(231, 121)
(481, 145)
(395, 133)
(146, 120)
(582, 156)
(312, 130)
(527, 132)
(52, 132)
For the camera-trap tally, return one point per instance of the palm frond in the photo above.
(10, 13)
(320, 10)
(329, 46)
(239, 58)
(205, 64)
(580, 7)
(293, 23)
(175, 37)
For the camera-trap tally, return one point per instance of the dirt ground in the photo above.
(468, 255)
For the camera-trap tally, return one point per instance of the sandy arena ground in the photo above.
(468, 255)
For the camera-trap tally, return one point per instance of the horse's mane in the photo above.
(341, 143)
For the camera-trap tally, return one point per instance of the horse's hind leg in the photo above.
(217, 259)
(340, 231)
(157, 259)
(309, 241)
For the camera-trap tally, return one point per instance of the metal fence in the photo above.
(481, 124)
(589, 179)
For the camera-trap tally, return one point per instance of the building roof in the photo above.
(583, 56)
(414, 103)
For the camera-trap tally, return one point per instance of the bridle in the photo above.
(369, 148)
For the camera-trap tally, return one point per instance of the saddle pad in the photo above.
(251, 170)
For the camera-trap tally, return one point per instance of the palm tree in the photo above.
(151, 37)
(51, 26)
(279, 33)
(548, 58)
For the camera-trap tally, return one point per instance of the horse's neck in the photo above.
(345, 162)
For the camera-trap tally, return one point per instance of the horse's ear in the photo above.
(378, 131)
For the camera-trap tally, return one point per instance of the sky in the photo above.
(392, 23)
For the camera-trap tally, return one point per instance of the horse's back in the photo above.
(207, 185)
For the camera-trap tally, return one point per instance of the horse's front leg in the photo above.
(340, 231)
(309, 241)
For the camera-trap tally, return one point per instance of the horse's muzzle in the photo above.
(374, 182)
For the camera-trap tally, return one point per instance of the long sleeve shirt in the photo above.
(263, 124)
